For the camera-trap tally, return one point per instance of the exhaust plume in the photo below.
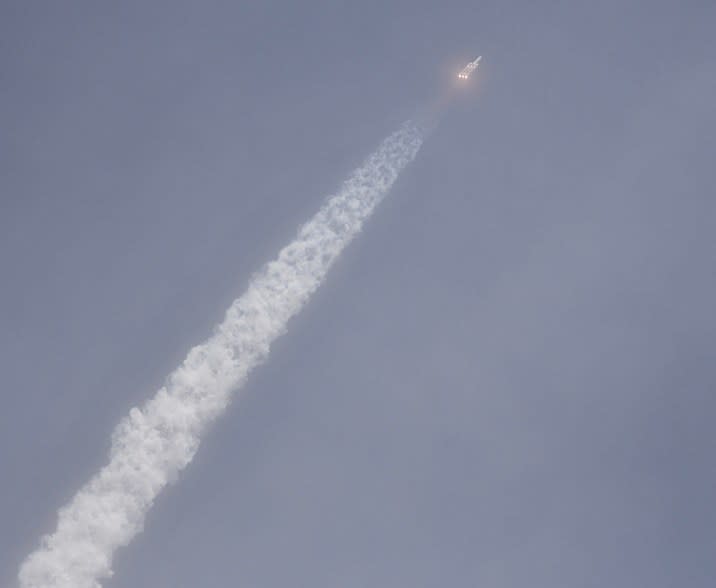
(155, 442)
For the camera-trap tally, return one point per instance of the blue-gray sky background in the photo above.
(507, 380)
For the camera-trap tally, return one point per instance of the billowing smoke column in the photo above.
(152, 444)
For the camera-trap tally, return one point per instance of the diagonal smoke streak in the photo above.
(152, 444)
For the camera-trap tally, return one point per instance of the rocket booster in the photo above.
(466, 71)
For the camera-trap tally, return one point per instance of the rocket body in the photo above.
(466, 71)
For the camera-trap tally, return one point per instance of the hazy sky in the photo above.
(507, 380)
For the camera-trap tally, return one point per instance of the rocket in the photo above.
(469, 68)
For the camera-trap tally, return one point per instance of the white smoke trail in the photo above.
(152, 444)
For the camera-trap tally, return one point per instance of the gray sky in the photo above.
(508, 378)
